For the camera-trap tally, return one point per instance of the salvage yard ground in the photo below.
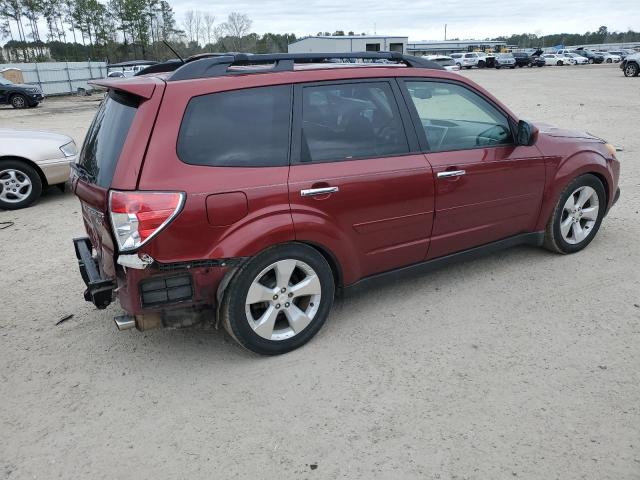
(523, 364)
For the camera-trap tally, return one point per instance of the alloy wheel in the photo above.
(18, 101)
(579, 215)
(283, 299)
(15, 186)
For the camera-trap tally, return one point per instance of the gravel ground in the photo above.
(524, 364)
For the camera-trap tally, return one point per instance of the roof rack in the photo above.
(217, 64)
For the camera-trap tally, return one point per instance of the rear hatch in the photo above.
(112, 156)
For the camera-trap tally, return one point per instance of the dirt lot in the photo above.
(520, 365)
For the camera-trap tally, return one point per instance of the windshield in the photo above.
(4, 81)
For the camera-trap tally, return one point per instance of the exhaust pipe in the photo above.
(125, 322)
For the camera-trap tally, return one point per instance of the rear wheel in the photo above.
(591, 60)
(481, 64)
(577, 216)
(631, 70)
(19, 101)
(279, 299)
(20, 185)
(559, 63)
(609, 60)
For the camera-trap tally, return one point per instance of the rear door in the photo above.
(487, 188)
(357, 183)
(119, 131)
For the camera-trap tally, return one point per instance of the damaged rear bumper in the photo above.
(99, 289)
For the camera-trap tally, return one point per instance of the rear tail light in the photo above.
(137, 217)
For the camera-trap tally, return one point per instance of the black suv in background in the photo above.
(524, 59)
(19, 95)
(593, 57)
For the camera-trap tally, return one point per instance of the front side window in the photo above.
(350, 121)
(240, 128)
(455, 118)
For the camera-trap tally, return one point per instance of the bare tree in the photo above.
(188, 24)
(233, 31)
(208, 28)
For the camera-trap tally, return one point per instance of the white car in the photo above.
(31, 161)
(575, 59)
(553, 59)
(448, 63)
(610, 57)
(473, 59)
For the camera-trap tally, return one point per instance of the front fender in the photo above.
(561, 171)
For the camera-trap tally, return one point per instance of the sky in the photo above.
(425, 19)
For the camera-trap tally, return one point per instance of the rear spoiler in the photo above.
(142, 87)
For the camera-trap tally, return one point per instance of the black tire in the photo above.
(23, 170)
(609, 60)
(631, 69)
(482, 64)
(553, 237)
(559, 64)
(591, 61)
(19, 101)
(459, 65)
(234, 317)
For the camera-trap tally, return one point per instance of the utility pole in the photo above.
(445, 32)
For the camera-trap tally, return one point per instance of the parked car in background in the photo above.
(448, 63)
(30, 161)
(506, 60)
(610, 57)
(592, 57)
(253, 198)
(474, 59)
(567, 59)
(553, 59)
(576, 59)
(621, 53)
(457, 57)
(631, 65)
(528, 59)
(19, 95)
(117, 74)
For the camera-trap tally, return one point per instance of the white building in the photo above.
(350, 43)
(426, 47)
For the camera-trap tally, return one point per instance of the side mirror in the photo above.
(526, 134)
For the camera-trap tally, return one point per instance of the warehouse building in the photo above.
(453, 46)
(350, 43)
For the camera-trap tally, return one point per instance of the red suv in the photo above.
(249, 189)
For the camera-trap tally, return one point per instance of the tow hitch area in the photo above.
(99, 290)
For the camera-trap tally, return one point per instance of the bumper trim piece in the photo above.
(99, 290)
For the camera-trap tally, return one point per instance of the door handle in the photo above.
(310, 192)
(451, 173)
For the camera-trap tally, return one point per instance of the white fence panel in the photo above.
(59, 78)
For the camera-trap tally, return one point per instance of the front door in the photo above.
(487, 188)
(357, 183)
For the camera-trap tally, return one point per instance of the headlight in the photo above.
(69, 149)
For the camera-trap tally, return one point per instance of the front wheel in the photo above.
(609, 60)
(19, 101)
(577, 216)
(559, 63)
(279, 299)
(481, 64)
(631, 70)
(591, 61)
(20, 185)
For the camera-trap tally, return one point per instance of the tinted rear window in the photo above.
(105, 138)
(240, 128)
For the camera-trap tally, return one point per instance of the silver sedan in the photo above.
(31, 161)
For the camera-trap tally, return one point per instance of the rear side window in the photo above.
(106, 136)
(350, 121)
(240, 128)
